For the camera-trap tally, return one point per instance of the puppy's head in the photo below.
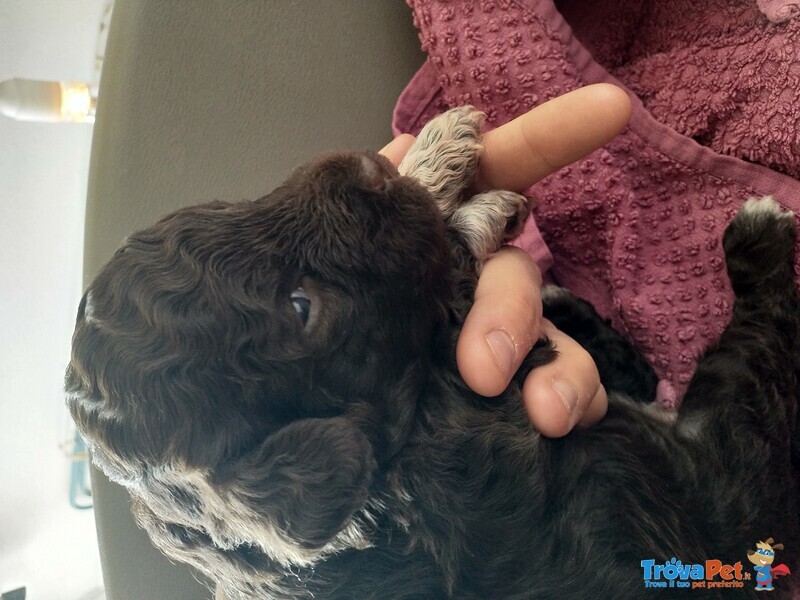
(238, 356)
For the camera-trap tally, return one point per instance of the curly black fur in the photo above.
(345, 458)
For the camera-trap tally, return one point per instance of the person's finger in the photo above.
(397, 148)
(503, 323)
(565, 392)
(521, 152)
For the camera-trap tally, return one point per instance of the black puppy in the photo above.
(275, 384)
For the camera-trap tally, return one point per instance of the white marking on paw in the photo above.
(767, 205)
(554, 292)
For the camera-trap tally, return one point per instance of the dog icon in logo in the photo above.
(762, 558)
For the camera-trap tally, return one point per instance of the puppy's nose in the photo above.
(376, 170)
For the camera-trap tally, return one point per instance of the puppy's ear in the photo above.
(307, 479)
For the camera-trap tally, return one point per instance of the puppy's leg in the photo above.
(758, 349)
(444, 157)
(739, 413)
(622, 368)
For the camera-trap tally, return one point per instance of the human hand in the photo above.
(506, 318)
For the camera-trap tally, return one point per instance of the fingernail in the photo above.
(503, 349)
(567, 394)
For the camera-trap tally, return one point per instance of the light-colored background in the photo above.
(44, 544)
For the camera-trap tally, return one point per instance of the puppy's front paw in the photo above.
(489, 219)
(444, 157)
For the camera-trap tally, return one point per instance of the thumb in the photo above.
(397, 148)
(503, 323)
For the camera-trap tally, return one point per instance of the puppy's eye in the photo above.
(301, 303)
